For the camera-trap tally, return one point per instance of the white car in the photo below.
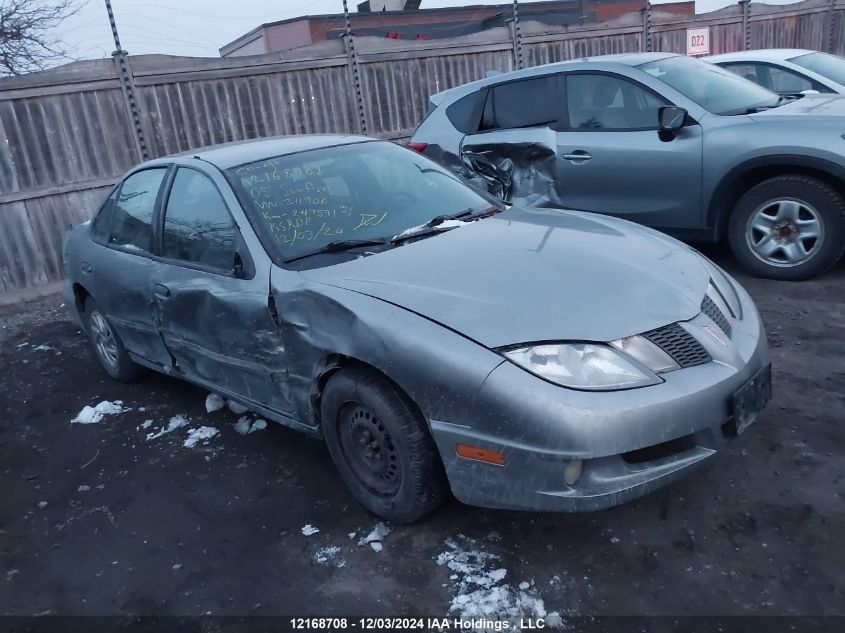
(787, 71)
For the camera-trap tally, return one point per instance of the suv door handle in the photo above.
(86, 268)
(162, 292)
(577, 156)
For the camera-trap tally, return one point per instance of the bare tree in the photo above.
(28, 41)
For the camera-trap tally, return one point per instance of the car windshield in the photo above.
(713, 88)
(368, 191)
(829, 66)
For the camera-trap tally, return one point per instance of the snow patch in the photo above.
(446, 224)
(236, 408)
(198, 435)
(375, 537)
(95, 415)
(309, 530)
(42, 348)
(146, 424)
(329, 556)
(176, 422)
(480, 590)
(214, 402)
(245, 425)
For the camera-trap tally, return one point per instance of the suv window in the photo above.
(747, 71)
(463, 114)
(789, 82)
(197, 224)
(610, 103)
(127, 221)
(526, 103)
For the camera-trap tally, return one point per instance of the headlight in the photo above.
(582, 366)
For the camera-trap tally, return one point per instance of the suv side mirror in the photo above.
(671, 118)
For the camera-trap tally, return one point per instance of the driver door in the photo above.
(611, 159)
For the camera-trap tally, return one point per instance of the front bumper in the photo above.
(631, 442)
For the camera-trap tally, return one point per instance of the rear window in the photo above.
(466, 111)
(527, 103)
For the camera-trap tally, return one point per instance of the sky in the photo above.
(199, 28)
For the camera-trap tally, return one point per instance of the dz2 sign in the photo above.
(698, 41)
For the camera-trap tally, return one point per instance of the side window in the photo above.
(463, 114)
(101, 224)
(747, 71)
(197, 225)
(606, 102)
(526, 103)
(788, 82)
(132, 212)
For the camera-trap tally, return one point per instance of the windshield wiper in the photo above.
(434, 225)
(338, 246)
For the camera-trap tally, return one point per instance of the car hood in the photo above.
(812, 107)
(528, 275)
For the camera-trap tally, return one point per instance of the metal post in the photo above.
(352, 56)
(127, 84)
(831, 31)
(517, 38)
(745, 5)
(646, 41)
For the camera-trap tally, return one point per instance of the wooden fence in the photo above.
(66, 134)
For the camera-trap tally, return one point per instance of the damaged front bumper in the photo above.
(629, 443)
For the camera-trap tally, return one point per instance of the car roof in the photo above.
(762, 55)
(626, 59)
(226, 155)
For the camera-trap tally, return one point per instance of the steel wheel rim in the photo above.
(784, 232)
(104, 341)
(369, 449)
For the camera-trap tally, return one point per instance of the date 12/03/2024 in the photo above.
(418, 624)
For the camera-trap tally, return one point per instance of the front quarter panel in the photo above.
(323, 326)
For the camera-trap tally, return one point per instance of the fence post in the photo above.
(831, 32)
(745, 5)
(127, 86)
(517, 38)
(645, 43)
(352, 61)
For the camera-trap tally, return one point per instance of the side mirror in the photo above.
(671, 118)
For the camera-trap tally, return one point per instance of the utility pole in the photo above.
(352, 57)
(127, 84)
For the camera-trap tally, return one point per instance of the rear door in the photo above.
(116, 270)
(515, 140)
(212, 295)
(612, 160)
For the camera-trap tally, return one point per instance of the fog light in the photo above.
(572, 472)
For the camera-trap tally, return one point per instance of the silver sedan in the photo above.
(435, 338)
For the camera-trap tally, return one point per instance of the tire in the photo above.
(108, 347)
(381, 446)
(772, 226)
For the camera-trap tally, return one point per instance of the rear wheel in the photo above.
(108, 347)
(788, 227)
(381, 446)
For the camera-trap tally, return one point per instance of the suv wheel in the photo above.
(788, 227)
(381, 446)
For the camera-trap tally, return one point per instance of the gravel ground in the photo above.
(96, 519)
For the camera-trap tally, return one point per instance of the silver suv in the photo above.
(665, 140)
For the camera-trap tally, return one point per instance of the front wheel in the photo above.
(381, 446)
(788, 227)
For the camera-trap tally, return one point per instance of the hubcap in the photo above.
(369, 449)
(104, 340)
(784, 232)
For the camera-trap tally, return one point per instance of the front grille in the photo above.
(709, 307)
(680, 345)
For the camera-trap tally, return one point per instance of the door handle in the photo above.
(162, 292)
(577, 156)
(86, 268)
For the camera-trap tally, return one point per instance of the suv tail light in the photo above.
(418, 147)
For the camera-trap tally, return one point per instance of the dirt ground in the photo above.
(96, 519)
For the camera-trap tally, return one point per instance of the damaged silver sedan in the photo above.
(437, 339)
